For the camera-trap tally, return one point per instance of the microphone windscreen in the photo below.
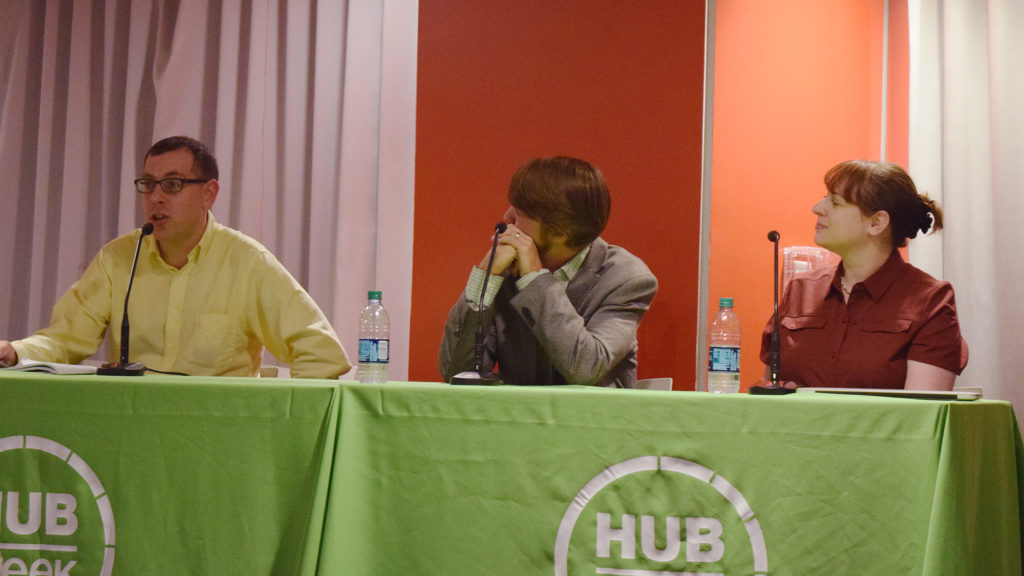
(147, 228)
(500, 227)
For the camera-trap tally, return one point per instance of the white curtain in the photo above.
(309, 107)
(967, 149)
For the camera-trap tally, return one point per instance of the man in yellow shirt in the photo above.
(206, 299)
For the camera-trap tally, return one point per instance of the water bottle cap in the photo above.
(725, 302)
(373, 295)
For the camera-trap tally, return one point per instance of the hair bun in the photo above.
(925, 221)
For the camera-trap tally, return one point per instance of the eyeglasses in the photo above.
(169, 185)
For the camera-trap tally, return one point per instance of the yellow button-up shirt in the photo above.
(211, 317)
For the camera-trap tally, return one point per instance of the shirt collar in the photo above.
(568, 271)
(197, 251)
(204, 243)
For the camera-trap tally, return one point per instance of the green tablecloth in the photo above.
(452, 480)
(223, 476)
(171, 475)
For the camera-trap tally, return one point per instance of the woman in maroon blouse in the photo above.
(873, 320)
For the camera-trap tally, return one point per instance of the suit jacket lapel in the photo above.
(586, 277)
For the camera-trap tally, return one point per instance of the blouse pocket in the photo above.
(887, 326)
(802, 322)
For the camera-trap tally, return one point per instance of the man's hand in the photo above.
(8, 356)
(516, 254)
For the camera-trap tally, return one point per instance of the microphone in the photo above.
(475, 377)
(773, 354)
(124, 368)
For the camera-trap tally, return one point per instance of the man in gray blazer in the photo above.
(562, 305)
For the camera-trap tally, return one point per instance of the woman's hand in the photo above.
(767, 383)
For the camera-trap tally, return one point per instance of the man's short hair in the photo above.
(567, 195)
(203, 162)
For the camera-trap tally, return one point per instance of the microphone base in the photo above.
(770, 390)
(471, 378)
(118, 369)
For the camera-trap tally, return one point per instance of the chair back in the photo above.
(802, 259)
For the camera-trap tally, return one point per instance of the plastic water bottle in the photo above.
(374, 340)
(724, 350)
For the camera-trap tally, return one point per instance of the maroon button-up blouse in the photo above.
(899, 313)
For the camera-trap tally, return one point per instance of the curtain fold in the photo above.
(288, 95)
(966, 149)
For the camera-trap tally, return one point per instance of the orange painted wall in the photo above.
(798, 89)
(617, 83)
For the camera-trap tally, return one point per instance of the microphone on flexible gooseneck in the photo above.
(773, 354)
(124, 368)
(475, 377)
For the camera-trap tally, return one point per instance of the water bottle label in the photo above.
(724, 359)
(373, 351)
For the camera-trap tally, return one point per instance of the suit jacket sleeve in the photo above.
(458, 346)
(588, 341)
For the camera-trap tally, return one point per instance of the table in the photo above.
(166, 475)
(172, 475)
(433, 479)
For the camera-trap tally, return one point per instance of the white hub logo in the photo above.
(47, 531)
(690, 520)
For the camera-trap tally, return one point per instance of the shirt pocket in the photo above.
(214, 340)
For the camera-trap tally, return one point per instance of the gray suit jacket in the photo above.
(585, 334)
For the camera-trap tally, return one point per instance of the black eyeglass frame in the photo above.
(141, 184)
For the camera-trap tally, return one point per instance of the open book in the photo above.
(49, 367)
